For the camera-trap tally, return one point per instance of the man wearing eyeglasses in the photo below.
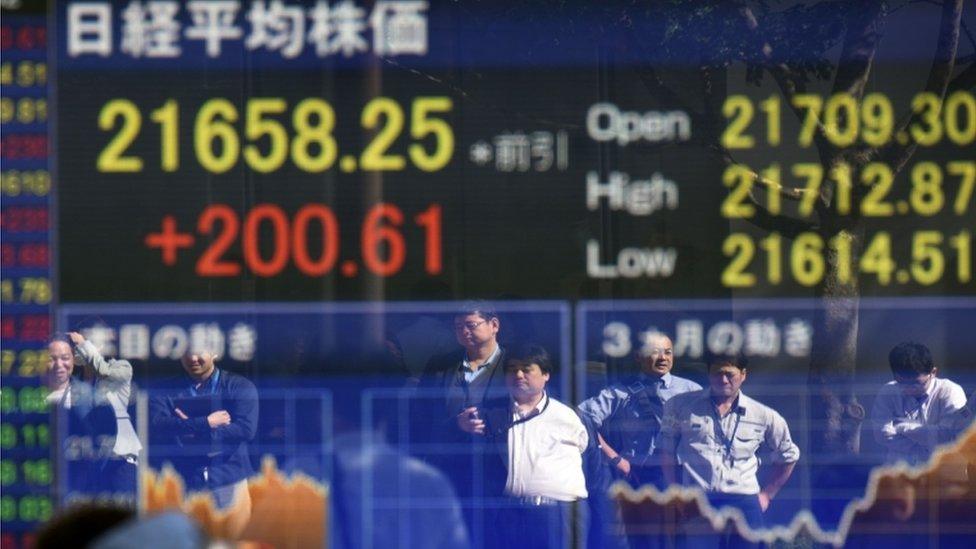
(453, 389)
(468, 375)
(918, 410)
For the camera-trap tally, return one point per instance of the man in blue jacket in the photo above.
(201, 423)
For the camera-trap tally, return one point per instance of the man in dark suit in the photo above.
(201, 423)
(466, 377)
(454, 386)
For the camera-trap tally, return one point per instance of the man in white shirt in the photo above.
(541, 442)
(918, 410)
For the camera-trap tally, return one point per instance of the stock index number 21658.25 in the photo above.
(308, 140)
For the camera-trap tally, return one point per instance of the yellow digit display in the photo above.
(314, 121)
(843, 120)
(214, 127)
(928, 196)
(423, 123)
(112, 158)
(927, 252)
(309, 142)
(375, 155)
(260, 123)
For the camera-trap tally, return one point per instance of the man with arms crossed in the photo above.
(918, 410)
(208, 443)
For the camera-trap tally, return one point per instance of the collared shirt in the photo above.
(469, 374)
(545, 453)
(616, 413)
(462, 393)
(208, 387)
(721, 454)
(911, 427)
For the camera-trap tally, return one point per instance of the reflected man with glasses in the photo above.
(918, 410)
(453, 388)
(468, 376)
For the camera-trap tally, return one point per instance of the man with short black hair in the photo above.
(716, 435)
(918, 410)
(201, 423)
(540, 441)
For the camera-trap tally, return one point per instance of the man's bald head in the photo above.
(656, 356)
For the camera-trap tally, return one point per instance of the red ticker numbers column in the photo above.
(26, 470)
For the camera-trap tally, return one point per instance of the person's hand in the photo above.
(218, 418)
(907, 425)
(469, 422)
(764, 500)
(624, 467)
(76, 338)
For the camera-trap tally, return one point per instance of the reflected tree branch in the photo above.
(896, 155)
